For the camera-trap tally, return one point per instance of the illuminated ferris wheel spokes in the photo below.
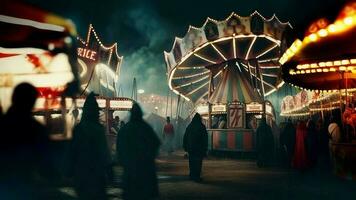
(252, 44)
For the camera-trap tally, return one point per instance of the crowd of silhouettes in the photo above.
(306, 143)
(25, 148)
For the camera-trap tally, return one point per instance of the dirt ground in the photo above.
(238, 179)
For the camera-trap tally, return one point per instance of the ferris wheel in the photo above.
(246, 47)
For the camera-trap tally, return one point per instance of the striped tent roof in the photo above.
(234, 86)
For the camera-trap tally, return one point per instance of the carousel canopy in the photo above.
(306, 102)
(234, 87)
(198, 58)
(326, 58)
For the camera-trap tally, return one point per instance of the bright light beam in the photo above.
(270, 75)
(234, 47)
(268, 50)
(250, 47)
(219, 52)
(203, 58)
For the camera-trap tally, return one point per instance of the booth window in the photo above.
(219, 121)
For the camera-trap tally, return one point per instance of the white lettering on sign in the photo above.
(121, 104)
(86, 53)
(254, 107)
(218, 108)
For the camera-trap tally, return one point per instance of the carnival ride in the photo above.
(99, 69)
(325, 61)
(227, 68)
(99, 65)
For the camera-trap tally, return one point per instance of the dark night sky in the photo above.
(145, 28)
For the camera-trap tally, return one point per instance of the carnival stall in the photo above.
(325, 60)
(74, 109)
(226, 68)
(235, 111)
(98, 70)
(38, 47)
(108, 107)
(99, 65)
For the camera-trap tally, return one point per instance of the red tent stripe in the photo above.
(5, 55)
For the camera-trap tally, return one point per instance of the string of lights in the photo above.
(333, 29)
(295, 114)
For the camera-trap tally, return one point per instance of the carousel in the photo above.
(227, 68)
(325, 61)
(309, 103)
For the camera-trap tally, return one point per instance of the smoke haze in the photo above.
(146, 63)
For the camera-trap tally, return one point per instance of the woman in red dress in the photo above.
(300, 160)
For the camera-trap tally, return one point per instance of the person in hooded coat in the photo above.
(300, 159)
(265, 143)
(195, 142)
(137, 148)
(90, 156)
(311, 143)
(168, 136)
(1, 114)
(323, 140)
(24, 146)
(287, 140)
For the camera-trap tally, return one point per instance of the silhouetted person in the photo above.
(195, 142)
(265, 143)
(1, 112)
(23, 147)
(300, 159)
(312, 143)
(323, 146)
(287, 140)
(75, 114)
(334, 137)
(115, 125)
(137, 148)
(222, 122)
(334, 131)
(90, 157)
(122, 124)
(215, 122)
(168, 136)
